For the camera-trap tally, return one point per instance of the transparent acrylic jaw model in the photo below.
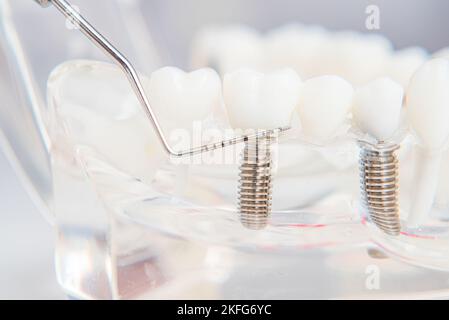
(130, 223)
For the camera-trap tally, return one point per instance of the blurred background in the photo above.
(26, 238)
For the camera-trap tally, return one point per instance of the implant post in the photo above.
(379, 174)
(255, 183)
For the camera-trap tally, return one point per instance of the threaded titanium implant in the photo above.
(255, 185)
(379, 185)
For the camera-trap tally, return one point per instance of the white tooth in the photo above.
(180, 98)
(261, 101)
(443, 53)
(377, 108)
(428, 109)
(297, 47)
(356, 57)
(441, 198)
(428, 103)
(404, 63)
(228, 48)
(324, 105)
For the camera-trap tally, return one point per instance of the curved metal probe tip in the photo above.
(100, 41)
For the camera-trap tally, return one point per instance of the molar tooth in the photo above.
(256, 100)
(180, 98)
(324, 105)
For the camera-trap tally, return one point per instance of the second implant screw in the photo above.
(255, 183)
(379, 185)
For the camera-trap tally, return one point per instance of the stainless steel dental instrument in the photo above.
(99, 40)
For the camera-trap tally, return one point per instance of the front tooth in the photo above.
(228, 48)
(428, 103)
(377, 108)
(297, 47)
(428, 109)
(180, 98)
(324, 105)
(441, 198)
(261, 101)
(404, 63)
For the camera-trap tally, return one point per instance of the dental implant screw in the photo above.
(255, 183)
(379, 184)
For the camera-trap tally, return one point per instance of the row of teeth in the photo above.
(256, 100)
(309, 50)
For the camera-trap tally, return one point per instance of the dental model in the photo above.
(376, 110)
(259, 101)
(428, 109)
(324, 105)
